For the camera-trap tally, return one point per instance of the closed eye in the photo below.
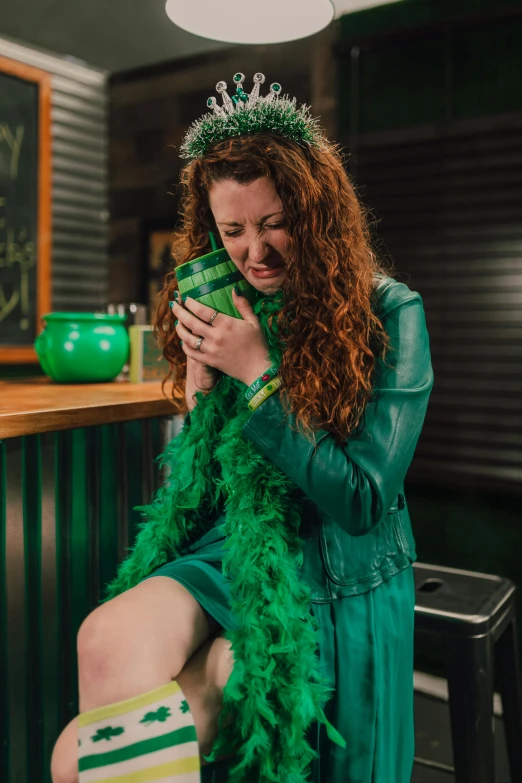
(271, 226)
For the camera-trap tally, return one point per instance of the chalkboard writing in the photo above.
(19, 116)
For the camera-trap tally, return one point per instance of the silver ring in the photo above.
(198, 343)
(213, 316)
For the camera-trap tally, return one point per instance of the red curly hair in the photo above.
(330, 335)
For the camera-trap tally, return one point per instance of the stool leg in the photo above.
(508, 678)
(470, 686)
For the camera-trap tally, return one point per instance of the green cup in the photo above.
(211, 278)
(82, 347)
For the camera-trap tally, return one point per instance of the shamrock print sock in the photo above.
(150, 737)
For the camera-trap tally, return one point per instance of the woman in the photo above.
(271, 588)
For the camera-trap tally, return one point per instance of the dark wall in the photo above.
(431, 112)
(429, 61)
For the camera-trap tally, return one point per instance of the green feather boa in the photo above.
(275, 691)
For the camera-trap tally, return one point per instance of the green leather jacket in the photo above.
(358, 527)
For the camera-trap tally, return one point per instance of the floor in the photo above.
(433, 743)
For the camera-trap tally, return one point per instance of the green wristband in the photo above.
(261, 381)
(264, 393)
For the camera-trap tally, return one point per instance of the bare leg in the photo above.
(64, 761)
(135, 643)
(202, 681)
(139, 641)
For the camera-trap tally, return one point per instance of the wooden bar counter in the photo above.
(35, 405)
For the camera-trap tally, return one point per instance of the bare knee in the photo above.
(118, 656)
(94, 644)
(110, 638)
(138, 641)
(106, 644)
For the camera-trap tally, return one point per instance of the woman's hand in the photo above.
(236, 347)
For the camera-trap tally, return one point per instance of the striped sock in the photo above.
(147, 738)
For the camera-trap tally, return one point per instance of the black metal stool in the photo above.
(472, 617)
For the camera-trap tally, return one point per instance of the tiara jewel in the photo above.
(242, 114)
(259, 79)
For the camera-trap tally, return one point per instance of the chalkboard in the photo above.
(24, 207)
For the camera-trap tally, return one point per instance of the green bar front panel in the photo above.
(66, 520)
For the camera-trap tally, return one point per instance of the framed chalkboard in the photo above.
(25, 207)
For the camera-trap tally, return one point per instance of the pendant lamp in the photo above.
(251, 21)
(349, 6)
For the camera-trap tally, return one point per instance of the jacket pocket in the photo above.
(350, 560)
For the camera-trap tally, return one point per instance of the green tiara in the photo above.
(244, 114)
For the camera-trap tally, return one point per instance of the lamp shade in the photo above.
(251, 21)
(349, 6)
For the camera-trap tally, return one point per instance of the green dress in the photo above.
(365, 648)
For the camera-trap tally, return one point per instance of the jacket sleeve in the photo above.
(355, 483)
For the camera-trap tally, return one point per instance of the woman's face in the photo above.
(250, 219)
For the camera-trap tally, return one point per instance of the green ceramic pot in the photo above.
(82, 347)
(211, 278)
